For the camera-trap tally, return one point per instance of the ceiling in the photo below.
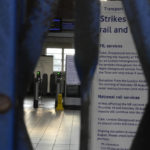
(65, 9)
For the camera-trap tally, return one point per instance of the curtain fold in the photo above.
(138, 14)
(21, 41)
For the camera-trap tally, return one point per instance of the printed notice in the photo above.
(119, 92)
(71, 72)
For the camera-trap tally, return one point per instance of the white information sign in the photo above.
(119, 92)
(71, 72)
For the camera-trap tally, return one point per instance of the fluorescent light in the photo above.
(104, 0)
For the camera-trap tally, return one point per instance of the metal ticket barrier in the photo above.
(58, 86)
(59, 91)
(37, 91)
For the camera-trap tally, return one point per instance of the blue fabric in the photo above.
(31, 42)
(21, 43)
(7, 46)
(87, 15)
(86, 39)
(8, 38)
(138, 13)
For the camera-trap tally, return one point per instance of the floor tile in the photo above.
(61, 147)
(44, 146)
(50, 129)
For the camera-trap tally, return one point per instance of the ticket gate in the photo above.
(37, 91)
(44, 84)
(58, 86)
(53, 84)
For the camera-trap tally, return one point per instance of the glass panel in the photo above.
(57, 68)
(53, 51)
(57, 62)
(57, 56)
(68, 52)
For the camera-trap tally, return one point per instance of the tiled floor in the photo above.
(51, 130)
